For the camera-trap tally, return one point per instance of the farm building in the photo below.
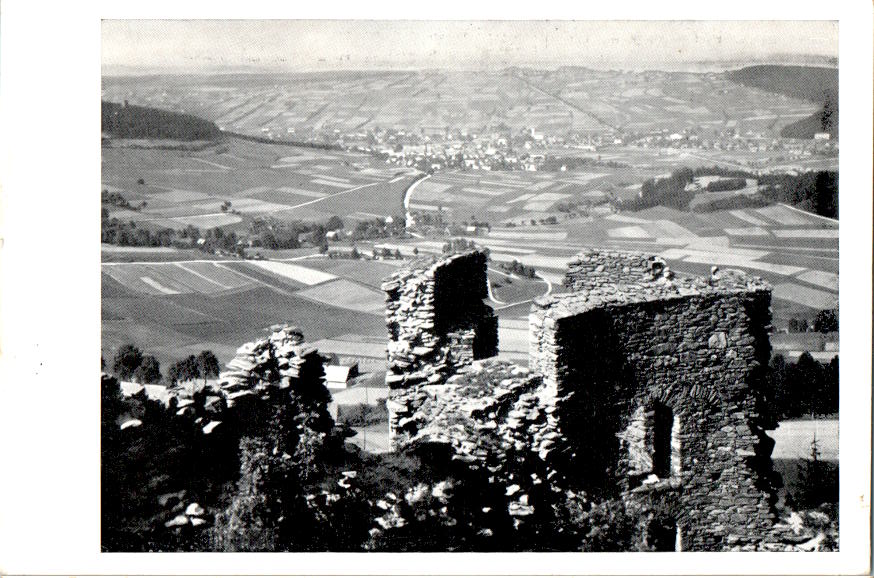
(338, 376)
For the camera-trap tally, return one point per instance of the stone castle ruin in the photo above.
(437, 321)
(638, 382)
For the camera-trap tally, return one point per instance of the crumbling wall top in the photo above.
(658, 284)
(425, 268)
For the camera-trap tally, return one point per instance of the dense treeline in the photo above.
(804, 388)
(812, 83)
(718, 171)
(730, 204)
(726, 185)
(816, 192)
(668, 192)
(286, 142)
(131, 121)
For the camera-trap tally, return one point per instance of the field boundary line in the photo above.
(204, 277)
(257, 281)
(803, 212)
(331, 196)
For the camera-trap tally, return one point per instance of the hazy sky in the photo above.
(189, 45)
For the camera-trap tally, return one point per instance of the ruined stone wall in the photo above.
(437, 323)
(595, 267)
(618, 354)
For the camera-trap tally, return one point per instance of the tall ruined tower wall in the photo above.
(659, 385)
(437, 323)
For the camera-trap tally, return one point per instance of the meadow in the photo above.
(175, 189)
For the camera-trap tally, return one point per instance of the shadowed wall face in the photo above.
(665, 395)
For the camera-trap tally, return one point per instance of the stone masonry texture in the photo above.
(437, 321)
(638, 382)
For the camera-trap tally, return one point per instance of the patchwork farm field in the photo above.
(257, 179)
(555, 101)
(172, 309)
(796, 252)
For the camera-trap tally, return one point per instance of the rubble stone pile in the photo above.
(492, 414)
(282, 359)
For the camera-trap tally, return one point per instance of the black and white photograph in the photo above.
(477, 285)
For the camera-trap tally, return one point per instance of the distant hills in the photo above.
(140, 122)
(812, 83)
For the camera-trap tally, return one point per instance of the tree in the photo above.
(207, 365)
(355, 254)
(826, 321)
(398, 254)
(183, 370)
(149, 371)
(335, 223)
(416, 251)
(126, 361)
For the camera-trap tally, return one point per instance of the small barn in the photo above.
(338, 376)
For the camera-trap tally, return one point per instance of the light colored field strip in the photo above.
(528, 235)
(218, 166)
(550, 197)
(782, 215)
(630, 232)
(806, 233)
(804, 295)
(330, 183)
(346, 182)
(181, 196)
(424, 207)
(742, 262)
(204, 277)
(747, 232)
(814, 215)
(665, 228)
(821, 278)
(297, 273)
(787, 249)
(625, 219)
(486, 192)
(211, 220)
(513, 185)
(301, 192)
(258, 281)
(155, 285)
(520, 198)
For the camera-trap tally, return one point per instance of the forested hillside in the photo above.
(141, 122)
(816, 84)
